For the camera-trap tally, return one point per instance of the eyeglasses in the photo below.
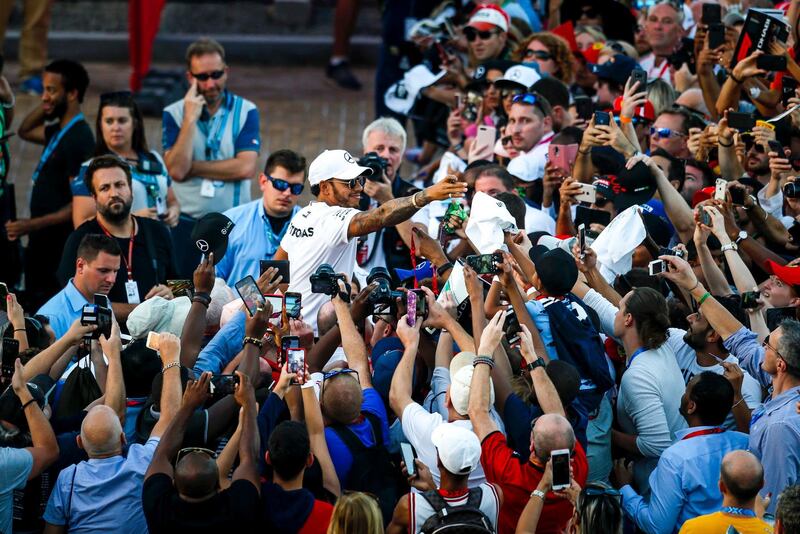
(116, 96)
(538, 54)
(191, 450)
(471, 34)
(283, 185)
(665, 133)
(766, 345)
(353, 182)
(204, 76)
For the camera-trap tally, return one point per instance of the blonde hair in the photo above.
(661, 95)
(594, 31)
(356, 513)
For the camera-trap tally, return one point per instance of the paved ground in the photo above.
(299, 110)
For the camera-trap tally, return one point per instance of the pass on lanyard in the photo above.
(131, 289)
(54, 141)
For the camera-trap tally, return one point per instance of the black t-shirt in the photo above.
(232, 510)
(51, 189)
(151, 236)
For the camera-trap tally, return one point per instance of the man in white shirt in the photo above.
(325, 230)
(530, 125)
(663, 29)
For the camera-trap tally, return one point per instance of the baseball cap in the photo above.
(335, 164)
(40, 387)
(628, 186)
(400, 97)
(461, 381)
(617, 69)
(458, 448)
(480, 79)
(210, 234)
(555, 268)
(518, 77)
(487, 17)
(787, 275)
(645, 112)
(424, 270)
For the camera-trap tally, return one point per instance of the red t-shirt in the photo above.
(519, 478)
(318, 520)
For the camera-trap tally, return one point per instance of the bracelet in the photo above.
(414, 200)
(625, 120)
(169, 365)
(538, 493)
(28, 404)
(703, 298)
(697, 283)
(202, 298)
(483, 359)
(724, 145)
(737, 404)
(20, 330)
(252, 341)
(444, 268)
(735, 79)
(11, 104)
(584, 152)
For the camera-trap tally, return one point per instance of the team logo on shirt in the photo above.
(300, 232)
(202, 245)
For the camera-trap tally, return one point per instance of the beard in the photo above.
(694, 340)
(58, 110)
(116, 211)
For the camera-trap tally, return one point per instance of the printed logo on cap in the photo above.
(202, 245)
(515, 74)
(227, 227)
(348, 158)
(480, 72)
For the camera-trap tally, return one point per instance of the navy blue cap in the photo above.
(617, 69)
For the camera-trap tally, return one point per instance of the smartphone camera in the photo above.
(656, 266)
(92, 314)
(485, 263)
(750, 299)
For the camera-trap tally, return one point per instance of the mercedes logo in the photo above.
(348, 158)
(479, 72)
(202, 245)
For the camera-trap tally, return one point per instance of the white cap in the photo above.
(489, 15)
(401, 96)
(458, 448)
(461, 369)
(335, 164)
(158, 314)
(518, 76)
(526, 167)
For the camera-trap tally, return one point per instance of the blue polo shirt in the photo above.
(64, 308)
(250, 241)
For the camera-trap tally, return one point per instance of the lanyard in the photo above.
(434, 282)
(546, 139)
(215, 129)
(733, 510)
(53, 144)
(129, 263)
(704, 432)
(634, 355)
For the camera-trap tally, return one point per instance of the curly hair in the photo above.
(558, 47)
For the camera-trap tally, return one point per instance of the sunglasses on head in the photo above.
(530, 99)
(283, 185)
(471, 34)
(340, 371)
(538, 54)
(204, 76)
(665, 132)
(191, 450)
(597, 492)
(352, 183)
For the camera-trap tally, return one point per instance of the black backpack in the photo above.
(467, 518)
(372, 470)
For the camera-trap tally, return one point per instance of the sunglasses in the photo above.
(505, 93)
(506, 140)
(283, 185)
(204, 76)
(340, 371)
(116, 96)
(538, 54)
(191, 450)
(352, 183)
(665, 132)
(471, 34)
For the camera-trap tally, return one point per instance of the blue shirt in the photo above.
(15, 466)
(744, 345)
(542, 322)
(223, 347)
(102, 494)
(684, 483)
(64, 308)
(251, 240)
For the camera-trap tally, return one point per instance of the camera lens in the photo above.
(791, 190)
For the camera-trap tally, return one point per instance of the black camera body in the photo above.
(382, 297)
(791, 190)
(92, 314)
(376, 163)
(325, 280)
(684, 55)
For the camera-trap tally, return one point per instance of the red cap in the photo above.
(488, 17)
(592, 54)
(646, 111)
(702, 194)
(787, 275)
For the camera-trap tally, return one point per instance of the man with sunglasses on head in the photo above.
(211, 137)
(261, 224)
(530, 125)
(326, 230)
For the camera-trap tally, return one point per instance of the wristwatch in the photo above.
(538, 362)
(729, 246)
(742, 236)
(538, 493)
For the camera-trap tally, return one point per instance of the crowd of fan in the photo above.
(578, 315)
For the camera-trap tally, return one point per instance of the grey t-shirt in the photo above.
(15, 466)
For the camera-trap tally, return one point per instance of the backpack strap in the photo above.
(437, 502)
(475, 496)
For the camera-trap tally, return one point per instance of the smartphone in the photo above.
(588, 194)
(221, 385)
(584, 107)
(411, 308)
(750, 299)
(422, 304)
(720, 187)
(102, 300)
(3, 291)
(705, 218)
(771, 63)
(512, 328)
(664, 251)
(10, 353)
(560, 460)
(250, 294)
(716, 34)
(486, 137)
(459, 101)
(562, 156)
(296, 358)
(281, 265)
(409, 455)
(656, 266)
(277, 304)
(289, 342)
(602, 118)
(589, 216)
(775, 316)
(582, 240)
(712, 14)
(737, 196)
(639, 75)
(788, 90)
(181, 288)
(485, 263)
(775, 146)
(293, 303)
(744, 122)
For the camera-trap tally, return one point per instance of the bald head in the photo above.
(552, 432)
(196, 475)
(341, 398)
(693, 98)
(101, 433)
(326, 318)
(742, 475)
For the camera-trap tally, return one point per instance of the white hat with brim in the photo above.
(401, 96)
(335, 164)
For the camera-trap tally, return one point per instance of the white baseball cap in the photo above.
(518, 76)
(335, 164)
(461, 369)
(458, 447)
(401, 96)
(485, 17)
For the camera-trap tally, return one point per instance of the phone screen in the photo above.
(10, 353)
(293, 303)
(582, 240)
(408, 457)
(290, 342)
(181, 288)
(250, 294)
(657, 266)
(560, 459)
(411, 308)
(296, 358)
(102, 300)
(277, 304)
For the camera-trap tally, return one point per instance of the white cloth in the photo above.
(774, 206)
(538, 221)
(615, 244)
(317, 234)
(530, 166)
(488, 219)
(448, 162)
(401, 96)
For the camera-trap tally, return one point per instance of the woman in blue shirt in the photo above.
(120, 131)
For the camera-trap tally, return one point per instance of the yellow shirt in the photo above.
(718, 523)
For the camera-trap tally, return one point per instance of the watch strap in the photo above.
(538, 362)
